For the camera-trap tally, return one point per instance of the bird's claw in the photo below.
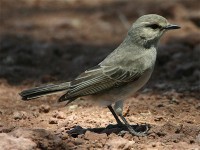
(140, 127)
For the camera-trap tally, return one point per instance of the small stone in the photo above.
(160, 85)
(19, 143)
(44, 108)
(120, 143)
(78, 141)
(1, 112)
(73, 107)
(6, 129)
(128, 136)
(34, 108)
(198, 106)
(18, 115)
(158, 118)
(198, 138)
(154, 145)
(59, 115)
(65, 136)
(60, 130)
(190, 121)
(35, 114)
(174, 101)
(53, 121)
(1, 124)
(70, 144)
(146, 90)
(99, 145)
(160, 105)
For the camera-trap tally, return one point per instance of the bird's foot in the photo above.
(136, 130)
(139, 130)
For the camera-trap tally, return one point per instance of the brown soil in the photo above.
(44, 41)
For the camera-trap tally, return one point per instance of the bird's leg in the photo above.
(118, 108)
(131, 130)
(115, 115)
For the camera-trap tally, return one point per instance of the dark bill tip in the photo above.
(172, 26)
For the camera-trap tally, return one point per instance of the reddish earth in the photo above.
(44, 41)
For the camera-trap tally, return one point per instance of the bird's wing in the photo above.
(98, 79)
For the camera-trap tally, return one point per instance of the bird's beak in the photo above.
(171, 27)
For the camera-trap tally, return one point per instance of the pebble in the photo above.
(1, 112)
(198, 106)
(53, 121)
(158, 118)
(35, 114)
(65, 136)
(34, 108)
(44, 108)
(73, 107)
(198, 138)
(174, 101)
(160, 105)
(120, 143)
(78, 141)
(18, 115)
(59, 115)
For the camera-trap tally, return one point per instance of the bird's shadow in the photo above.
(111, 128)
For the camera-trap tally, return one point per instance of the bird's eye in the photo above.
(154, 26)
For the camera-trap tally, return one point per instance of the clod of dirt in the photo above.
(174, 101)
(42, 138)
(173, 138)
(198, 106)
(72, 107)
(53, 121)
(158, 118)
(59, 115)
(9, 142)
(44, 108)
(1, 112)
(6, 129)
(18, 115)
(78, 141)
(35, 114)
(119, 143)
(34, 108)
(198, 138)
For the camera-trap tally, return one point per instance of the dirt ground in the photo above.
(44, 41)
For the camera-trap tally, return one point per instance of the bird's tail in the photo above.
(44, 90)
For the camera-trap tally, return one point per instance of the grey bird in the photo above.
(119, 75)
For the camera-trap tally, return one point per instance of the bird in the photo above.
(123, 72)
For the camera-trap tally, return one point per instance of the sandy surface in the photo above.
(48, 41)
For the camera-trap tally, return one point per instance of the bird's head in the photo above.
(148, 29)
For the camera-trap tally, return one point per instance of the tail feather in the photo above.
(44, 90)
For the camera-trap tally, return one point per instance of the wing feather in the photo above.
(99, 79)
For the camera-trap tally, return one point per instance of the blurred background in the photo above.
(48, 40)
